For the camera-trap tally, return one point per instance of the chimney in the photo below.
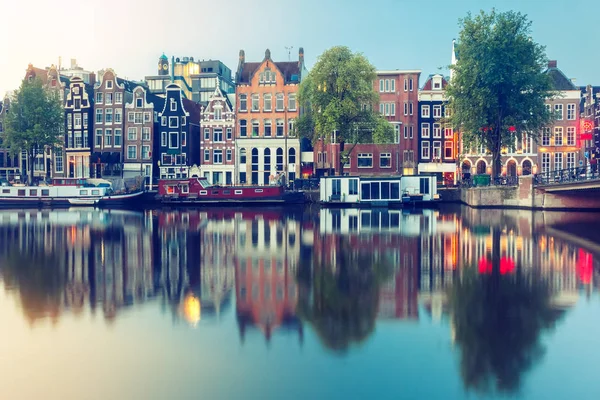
(552, 64)
(92, 79)
(301, 56)
(242, 57)
(73, 63)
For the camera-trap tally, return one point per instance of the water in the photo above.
(231, 304)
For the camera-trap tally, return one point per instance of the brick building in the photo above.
(267, 106)
(79, 106)
(590, 121)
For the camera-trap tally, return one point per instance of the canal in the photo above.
(299, 304)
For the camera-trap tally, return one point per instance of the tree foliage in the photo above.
(338, 95)
(499, 88)
(34, 120)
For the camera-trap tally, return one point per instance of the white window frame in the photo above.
(558, 112)
(571, 141)
(437, 111)
(559, 134)
(437, 130)
(425, 132)
(129, 148)
(365, 156)
(425, 153)
(425, 109)
(387, 156)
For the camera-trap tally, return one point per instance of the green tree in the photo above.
(338, 95)
(498, 88)
(34, 121)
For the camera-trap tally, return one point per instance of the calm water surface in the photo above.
(233, 304)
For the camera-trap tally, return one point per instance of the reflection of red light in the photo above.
(485, 266)
(585, 267)
(512, 129)
(507, 265)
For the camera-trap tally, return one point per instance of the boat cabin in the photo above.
(199, 188)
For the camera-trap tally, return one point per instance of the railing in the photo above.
(486, 180)
(576, 174)
(306, 184)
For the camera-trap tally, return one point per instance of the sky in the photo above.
(129, 35)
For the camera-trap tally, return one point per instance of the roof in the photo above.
(287, 68)
(193, 109)
(560, 80)
(428, 85)
(129, 86)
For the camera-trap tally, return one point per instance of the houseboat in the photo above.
(83, 193)
(392, 191)
(198, 191)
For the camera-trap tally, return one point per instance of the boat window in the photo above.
(203, 192)
(95, 192)
(5, 190)
(375, 191)
(424, 187)
(45, 192)
(83, 192)
(385, 190)
(258, 190)
(215, 192)
(21, 192)
(336, 187)
(226, 191)
(395, 191)
(353, 187)
(238, 192)
(33, 192)
(365, 190)
(185, 189)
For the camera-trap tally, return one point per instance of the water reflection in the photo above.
(498, 279)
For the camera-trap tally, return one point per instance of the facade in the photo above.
(438, 145)
(197, 79)
(267, 106)
(9, 163)
(79, 107)
(178, 146)
(590, 122)
(141, 123)
(217, 144)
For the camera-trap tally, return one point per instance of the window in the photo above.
(139, 102)
(393, 83)
(365, 160)
(279, 128)
(173, 122)
(167, 159)
(387, 85)
(138, 118)
(267, 100)
(243, 128)
(98, 141)
(424, 185)
(405, 108)
(229, 133)
(99, 97)
(425, 150)
(217, 156)
(99, 115)
(58, 161)
(558, 161)
(108, 98)
(405, 132)
(148, 117)
(437, 150)
(571, 136)
(108, 138)
(393, 108)
(410, 131)
(405, 85)
(255, 101)
(146, 133)
(353, 186)
(131, 152)
(387, 109)
(218, 134)
(279, 102)
(570, 111)
(410, 107)
(85, 120)
(292, 155)
(381, 86)
(108, 115)
(410, 84)
(77, 119)
(545, 162)
(206, 133)
(118, 138)
(173, 140)
(242, 156)
(172, 105)
(447, 111)
(255, 126)
(109, 84)
(292, 102)
(267, 127)
(206, 155)
(526, 143)
(118, 115)
(546, 137)
(381, 108)
(385, 160)
(70, 121)
(558, 112)
(570, 160)
(183, 139)
(228, 154)
(437, 111)
(397, 133)
(558, 136)
(118, 98)
(243, 102)
(437, 131)
(448, 150)
(132, 133)
(425, 111)
(448, 133)
(218, 112)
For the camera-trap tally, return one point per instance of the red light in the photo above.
(507, 265)
(485, 266)
(586, 125)
(512, 129)
(585, 267)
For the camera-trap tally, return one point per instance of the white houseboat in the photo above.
(378, 192)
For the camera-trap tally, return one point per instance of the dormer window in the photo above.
(173, 105)
(218, 112)
(139, 102)
(109, 84)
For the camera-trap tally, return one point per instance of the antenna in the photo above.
(289, 51)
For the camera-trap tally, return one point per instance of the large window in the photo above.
(131, 152)
(228, 153)
(425, 130)
(292, 102)
(570, 111)
(98, 140)
(558, 136)
(218, 113)
(99, 115)
(448, 133)
(267, 100)
(243, 128)
(437, 150)
(425, 150)
(437, 111)
(437, 131)
(546, 137)
(425, 111)
(217, 134)
(571, 136)
(229, 133)
(146, 152)
(545, 162)
(558, 161)
(118, 137)
(279, 102)
(448, 150)
(174, 140)
(206, 155)
(243, 102)
(118, 115)
(385, 160)
(108, 115)
(255, 127)
(108, 138)
(242, 156)
(255, 102)
(570, 160)
(132, 133)
(218, 156)
(558, 112)
(58, 161)
(279, 132)
(292, 156)
(353, 187)
(267, 123)
(365, 160)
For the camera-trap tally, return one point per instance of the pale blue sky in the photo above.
(130, 35)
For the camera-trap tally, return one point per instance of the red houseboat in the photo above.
(200, 191)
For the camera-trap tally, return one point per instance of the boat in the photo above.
(198, 191)
(81, 194)
(388, 191)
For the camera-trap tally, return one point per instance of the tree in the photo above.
(338, 95)
(498, 89)
(33, 122)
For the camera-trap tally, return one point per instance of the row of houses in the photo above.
(194, 117)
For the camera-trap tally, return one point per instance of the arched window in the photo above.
(267, 159)
(254, 166)
(481, 167)
(526, 168)
(292, 156)
(279, 159)
(242, 156)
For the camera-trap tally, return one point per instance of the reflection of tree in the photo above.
(341, 300)
(497, 322)
(39, 280)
